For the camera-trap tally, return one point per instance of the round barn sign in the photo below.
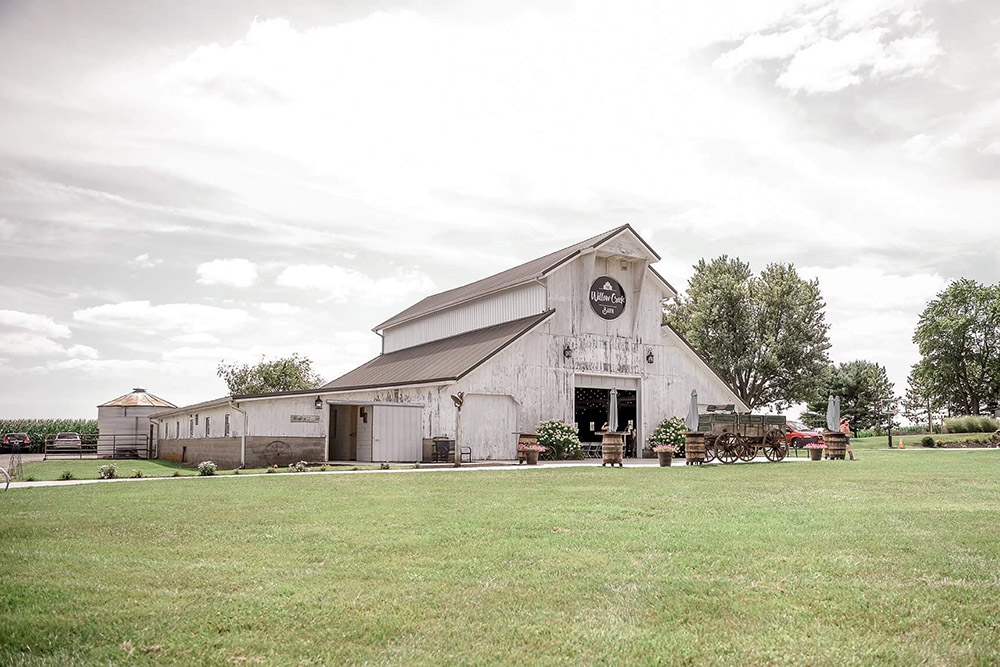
(607, 298)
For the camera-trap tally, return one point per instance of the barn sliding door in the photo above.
(397, 434)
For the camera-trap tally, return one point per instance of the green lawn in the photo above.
(890, 560)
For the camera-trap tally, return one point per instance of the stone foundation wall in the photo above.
(225, 452)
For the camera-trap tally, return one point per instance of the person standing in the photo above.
(845, 428)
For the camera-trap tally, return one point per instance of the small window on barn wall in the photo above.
(225, 425)
(196, 419)
(177, 431)
(208, 424)
(190, 427)
(166, 431)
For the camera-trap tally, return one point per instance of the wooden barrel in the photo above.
(836, 445)
(525, 439)
(612, 449)
(694, 447)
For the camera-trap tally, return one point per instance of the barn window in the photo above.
(208, 430)
(190, 427)
(225, 425)
(177, 431)
(166, 431)
(196, 419)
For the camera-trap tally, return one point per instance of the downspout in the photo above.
(243, 435)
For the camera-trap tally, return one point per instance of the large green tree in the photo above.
(765, 335)
(959, 339)
(284, 374)
(865, 391)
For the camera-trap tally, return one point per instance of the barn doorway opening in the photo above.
(598, 410)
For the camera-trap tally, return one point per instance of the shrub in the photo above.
(971, 424)
(559, 439)
(670, 432)
(66, 475)
(137, 474)
(271, 469)
(301, 466)
(927, 441)
(177, 473)
(207, 468)
(108, 471)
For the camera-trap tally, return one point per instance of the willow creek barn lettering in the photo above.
(575, 335)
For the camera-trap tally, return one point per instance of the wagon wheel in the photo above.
(727, 447)
(709, 449)
(747, 450)
(775, 447)
(277, 451)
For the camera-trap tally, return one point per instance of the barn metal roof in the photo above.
(138, 397)
(522, 273)
(440, 360)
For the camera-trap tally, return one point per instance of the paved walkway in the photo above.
(425, 468)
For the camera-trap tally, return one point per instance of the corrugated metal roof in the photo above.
(139, 397)
(536, 268)
(440, 360)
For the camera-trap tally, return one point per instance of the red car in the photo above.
(798, 435)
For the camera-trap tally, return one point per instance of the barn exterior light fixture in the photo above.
(649, 356)
(318, 403)
(567, 352)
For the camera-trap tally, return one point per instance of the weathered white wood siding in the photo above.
(396, 433)
(488, 425)
(510, 304)
(365, 437)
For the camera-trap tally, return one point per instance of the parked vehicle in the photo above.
(67, 440)
(798, 435)
(20, 441)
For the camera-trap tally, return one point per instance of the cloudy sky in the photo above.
(187, 182)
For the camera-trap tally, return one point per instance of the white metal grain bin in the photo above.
(123, 425)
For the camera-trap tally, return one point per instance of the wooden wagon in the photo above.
(731, 437)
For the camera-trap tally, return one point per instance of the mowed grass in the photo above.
(894, 559)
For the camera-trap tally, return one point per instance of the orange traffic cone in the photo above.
(901, 444)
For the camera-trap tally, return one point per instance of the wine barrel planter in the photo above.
(531, 458)
(836, 445)
(525, 439)
(612, 449)
(815, 453)
(694, 448)
(666, 458)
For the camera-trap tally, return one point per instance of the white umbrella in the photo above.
(692, 418)
(613, 412)
(833, 414)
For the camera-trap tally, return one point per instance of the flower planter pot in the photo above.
(815, 454)
(666, 458)
(531, 458)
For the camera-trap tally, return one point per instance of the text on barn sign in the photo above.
(304, 418)
(607, 297)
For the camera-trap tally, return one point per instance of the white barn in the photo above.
(575, 335)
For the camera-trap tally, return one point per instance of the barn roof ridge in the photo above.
(512, 277)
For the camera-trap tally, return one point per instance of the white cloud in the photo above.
(144, 261)
(907, 56)
(927, 147)
(200, 338)
(106, 365)
(280, 309)
(830, 65)
(237, 272)
(29, 345)
(771, 46)
(346, 285)
(82, 352)
(37, 323)
(187, 318)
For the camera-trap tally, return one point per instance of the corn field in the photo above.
(37, 429)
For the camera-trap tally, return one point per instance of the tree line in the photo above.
(767, 336)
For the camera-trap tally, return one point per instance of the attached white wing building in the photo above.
(575, 335)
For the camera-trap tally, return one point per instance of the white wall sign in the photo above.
(299, 419)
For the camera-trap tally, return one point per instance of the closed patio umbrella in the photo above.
(691, 422)
(833, 414)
